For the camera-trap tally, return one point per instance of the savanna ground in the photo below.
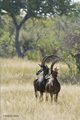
(18, 100)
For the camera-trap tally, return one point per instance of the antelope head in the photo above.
(44, 68)
(54, 72)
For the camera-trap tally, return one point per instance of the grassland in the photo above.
(17, 95)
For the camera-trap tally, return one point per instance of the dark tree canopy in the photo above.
(12, 6)
(36, 7)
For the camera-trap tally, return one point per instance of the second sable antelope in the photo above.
(52, 85)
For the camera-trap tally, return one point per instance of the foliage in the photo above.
(12, 6)
(6, 37)
(32, 9)
(69, 37)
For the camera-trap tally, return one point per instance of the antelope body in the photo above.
(53, 86)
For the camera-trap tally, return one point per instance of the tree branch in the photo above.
(38, 37)
(14, 20)
(10, 43)
(4, 13)
(24, 20)
(26, 49)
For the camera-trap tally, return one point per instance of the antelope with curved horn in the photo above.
(43, 66)
(53, 86)
(40, 82)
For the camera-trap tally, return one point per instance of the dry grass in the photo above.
(18, 100)
(17, 71)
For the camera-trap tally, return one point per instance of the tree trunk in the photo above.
(18, 27)
(77, 57)
(0, 19)
(17, 43)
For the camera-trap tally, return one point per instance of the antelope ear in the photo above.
(46, 66)
(56, 69)
(39, 65)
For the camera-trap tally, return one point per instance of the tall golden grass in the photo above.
(16, 70)
(18, 100)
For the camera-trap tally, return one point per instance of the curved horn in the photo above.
(56, 60)
(46, 57)
(43, 60)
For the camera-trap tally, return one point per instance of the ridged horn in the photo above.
(46, 57)
(56, 60)
(43, 60)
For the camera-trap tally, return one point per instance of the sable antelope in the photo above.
(53, 86)
(40, 82)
